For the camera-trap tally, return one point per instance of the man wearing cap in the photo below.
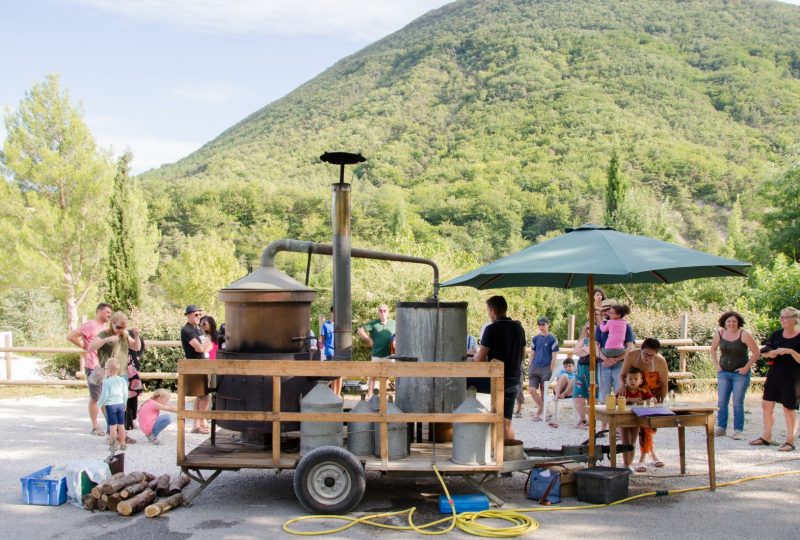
(196, 346)
(541, 364)
(504, 340)
(609, 368)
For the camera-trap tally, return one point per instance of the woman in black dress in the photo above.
(783, 378)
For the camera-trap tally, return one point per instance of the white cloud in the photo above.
(148, 152)
(214, 92)
(358, 20)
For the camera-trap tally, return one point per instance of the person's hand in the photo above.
(135, 332)
(80, 375)
(112, 339)
(770, 354)
(609, 362)
(782, 350)
(743, 370)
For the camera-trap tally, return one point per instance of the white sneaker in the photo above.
(737, 436)
(719, 432)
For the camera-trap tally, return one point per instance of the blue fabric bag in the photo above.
(545, 485)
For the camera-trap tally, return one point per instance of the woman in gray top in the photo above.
(734, 351)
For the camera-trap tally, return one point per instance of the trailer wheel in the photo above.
(329, 480)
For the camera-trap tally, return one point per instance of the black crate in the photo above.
(602, 485)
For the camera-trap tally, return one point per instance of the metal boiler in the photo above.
(267, 316)
(316, 434)
(472, 443)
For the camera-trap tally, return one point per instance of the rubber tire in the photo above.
(330, 462)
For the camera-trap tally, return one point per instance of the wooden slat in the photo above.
(499, 426)
(305, 368)
(181, 443)
(276, 425)
(269, 416)
(384, 427)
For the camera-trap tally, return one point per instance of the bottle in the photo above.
(611, 402)
(621, 403)
(672, 398)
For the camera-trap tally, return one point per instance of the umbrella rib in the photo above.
(569, 281)
(489, 281)
(733, 271)
(659, 276)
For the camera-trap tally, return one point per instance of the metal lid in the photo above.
(267, 279)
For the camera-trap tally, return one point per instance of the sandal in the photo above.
(552, 424)
(97, 431)
(786, 447)
(657, 464)
(761, 441)
(641, 468)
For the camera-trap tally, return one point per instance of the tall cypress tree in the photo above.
(122, 283)
(616, 191)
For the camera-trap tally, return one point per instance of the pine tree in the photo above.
(122, 279)
(616, 191)
(735, 241)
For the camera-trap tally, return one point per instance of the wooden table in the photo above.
(685, 416)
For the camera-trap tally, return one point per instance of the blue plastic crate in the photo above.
(39, 490)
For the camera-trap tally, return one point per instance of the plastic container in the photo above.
(602, 485)
(43, 491)
(116, 464)
(464, 503)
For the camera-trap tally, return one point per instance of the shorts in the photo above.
(581, 388)
(537, 376)
(94, 389)
(509, 397)
(612, 353)
(115, 414)
(382, 359)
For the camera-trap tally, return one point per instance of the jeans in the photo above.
(162, 422)
(731, 382)
(608, 378)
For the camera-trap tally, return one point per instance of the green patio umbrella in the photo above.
(589, 256)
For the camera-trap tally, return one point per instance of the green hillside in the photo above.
(488, 123)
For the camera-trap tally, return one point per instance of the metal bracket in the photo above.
(482, 486)
(197, 476)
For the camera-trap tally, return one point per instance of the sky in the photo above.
(163, 77)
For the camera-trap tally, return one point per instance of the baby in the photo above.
(114, 397)
(151, 421)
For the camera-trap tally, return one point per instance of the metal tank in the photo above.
(359, 434)
(431, 332)
(472, 443)
(397, 435)
(267, 316)
(316, 434)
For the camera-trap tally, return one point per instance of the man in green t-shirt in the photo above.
(379, 333)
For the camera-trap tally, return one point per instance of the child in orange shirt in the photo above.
(635, 393)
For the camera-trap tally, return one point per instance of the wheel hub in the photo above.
(328, 483)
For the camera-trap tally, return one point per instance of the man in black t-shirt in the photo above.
(504, 340)
(195, 346)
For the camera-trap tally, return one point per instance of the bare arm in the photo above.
(99, 342)
(134, 341)
(627, 364)
(76, 338)
(755, 351)
(200, 347)
(165, 407)
(482, 353)
(715, 351)
(363, 335)
(663, 372)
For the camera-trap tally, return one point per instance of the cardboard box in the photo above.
(568, 470)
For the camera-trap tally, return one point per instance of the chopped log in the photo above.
(149, 476)
(134, 504)
(100, 505)
(119, 484)
(162, 507)
(177, 485)
(134, 489)
(163, 485)
(153, 484)
(89, 502)
(98, 489)
(112, 501)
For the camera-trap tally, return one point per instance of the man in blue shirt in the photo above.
(326, 338)
(609, 367)
(541, 364)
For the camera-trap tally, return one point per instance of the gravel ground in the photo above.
(38, 431)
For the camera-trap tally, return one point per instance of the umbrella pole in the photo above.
(592, 375)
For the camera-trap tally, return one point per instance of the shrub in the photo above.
(61, 366)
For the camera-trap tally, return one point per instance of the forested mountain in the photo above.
(487, 123)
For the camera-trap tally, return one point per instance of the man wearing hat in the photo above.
(196, 346)
(609, 367)
(541, 364)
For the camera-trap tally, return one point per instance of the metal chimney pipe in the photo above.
(340, 223)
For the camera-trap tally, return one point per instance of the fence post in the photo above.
(571, 327)
(7, 344)
(684, 334)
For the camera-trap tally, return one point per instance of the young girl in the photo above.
(635, 393)
(113, 398)
(615, 327)
(151, 421)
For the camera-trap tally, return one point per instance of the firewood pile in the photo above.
(128, 494)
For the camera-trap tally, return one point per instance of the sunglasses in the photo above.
(117, 327)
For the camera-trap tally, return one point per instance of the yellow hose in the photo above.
(469, 521)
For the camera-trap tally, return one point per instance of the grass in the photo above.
(54, 392)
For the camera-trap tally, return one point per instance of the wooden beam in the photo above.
(268, 416)
(276, 424)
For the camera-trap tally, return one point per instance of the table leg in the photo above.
(682, 447)
(612, 439)
(712, 471)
